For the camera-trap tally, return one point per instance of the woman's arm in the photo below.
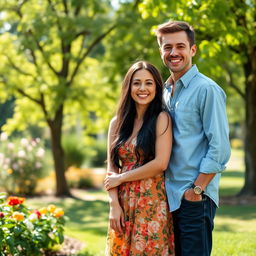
(116, 216)
(155, 166)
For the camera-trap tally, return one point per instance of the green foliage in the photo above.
(26, 232)
(45, 58)
(82, 183)
(74, 151)
(22, 164)
(98, 155)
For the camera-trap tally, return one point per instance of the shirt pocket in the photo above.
(187, 119)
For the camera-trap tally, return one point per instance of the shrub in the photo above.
(99, 155)
(80, 178)
(22, 163)
(28, 232)
(74, 152)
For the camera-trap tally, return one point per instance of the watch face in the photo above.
(197, 190)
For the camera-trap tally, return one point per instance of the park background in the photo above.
(61, 68)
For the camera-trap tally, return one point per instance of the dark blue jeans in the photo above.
(193, 226)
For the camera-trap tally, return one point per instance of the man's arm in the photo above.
(215, 125)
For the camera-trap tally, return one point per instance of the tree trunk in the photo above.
(62, 188)
(249, 187)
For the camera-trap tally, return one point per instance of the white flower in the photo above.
(10, 145)
(1, 156)
(24, 142)
(29, 148)
(40, 152)
(3, 136)
(38, 165)
(29, 225)
(5, 166)
(37, 140)
(33, 217)
(7, 160)
(21, 153)
(33, 143)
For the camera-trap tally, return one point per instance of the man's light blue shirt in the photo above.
(200, 135)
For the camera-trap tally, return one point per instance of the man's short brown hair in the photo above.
(175, 26)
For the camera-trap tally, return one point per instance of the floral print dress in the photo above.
(148, 222)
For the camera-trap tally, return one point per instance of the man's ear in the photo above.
(193, 50)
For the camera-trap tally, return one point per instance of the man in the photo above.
(201, 142)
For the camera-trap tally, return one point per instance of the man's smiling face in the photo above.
(176, 52)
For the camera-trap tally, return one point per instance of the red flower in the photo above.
(38, 214)
(15, 200)
(1, 214)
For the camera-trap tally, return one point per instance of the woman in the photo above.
(139, 147)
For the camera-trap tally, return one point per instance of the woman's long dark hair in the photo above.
(126, 114)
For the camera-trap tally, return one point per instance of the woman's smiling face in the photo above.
(143, 87)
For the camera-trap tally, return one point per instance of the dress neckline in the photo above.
(131, 141)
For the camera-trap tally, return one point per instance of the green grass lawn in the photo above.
(234, 233)
(235, 226)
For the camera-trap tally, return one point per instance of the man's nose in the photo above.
(173, 51)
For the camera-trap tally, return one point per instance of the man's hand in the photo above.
(112, 180)
(191, 196)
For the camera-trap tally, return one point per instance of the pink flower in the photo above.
(140, 243)
(148, 183)
(153, 227)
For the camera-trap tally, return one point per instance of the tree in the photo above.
(45, 48)
(227, 38)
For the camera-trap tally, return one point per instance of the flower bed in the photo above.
(29, 232)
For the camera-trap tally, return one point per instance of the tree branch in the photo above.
(40, 48)
(28, 96)
(17, 68)
(56, 13)
(43, 106)
(65, 6)
(40, 102)
(83, 33)
(232, 83)
(93, 44)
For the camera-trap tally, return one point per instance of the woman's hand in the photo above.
(116, 218)
(112, 180)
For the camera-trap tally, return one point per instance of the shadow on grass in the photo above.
(87, 215)
(224, 228)
(229, 191)
(233, 174)
(240, 212)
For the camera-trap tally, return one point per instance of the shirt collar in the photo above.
(187, 77)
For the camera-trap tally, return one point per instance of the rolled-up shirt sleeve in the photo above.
(215, 125)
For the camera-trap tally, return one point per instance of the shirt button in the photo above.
(172, 109)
